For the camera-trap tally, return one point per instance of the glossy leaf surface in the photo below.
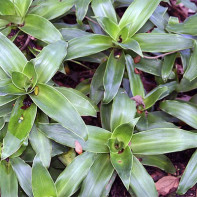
(161, 42)
(59, 108)
(122, 163)
(97, 178)
(123, 110)
(21, 122)
(41, 145)
(185, 111)
(113, 75)
(48, 33)
(11, 58)
(97, 137)
(49, 59)
(165, 140)
(189, 177)
(141, 182)
(42, 183)
(82, 103)
(23, 173)
(8, 180)
(70, 179)
(87, 45)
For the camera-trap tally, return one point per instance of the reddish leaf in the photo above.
(166, 185)
(78, 147)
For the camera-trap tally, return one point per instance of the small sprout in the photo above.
(137, 59)
(36, 90)
(78, 148)
(138, 72)
(21, 119)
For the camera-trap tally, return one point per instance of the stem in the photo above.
(76, 62)
(158, 56)
(91, 20)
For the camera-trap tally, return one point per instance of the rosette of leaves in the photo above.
(124, 37)
(28, 82)
(118, 148)
(33, 17)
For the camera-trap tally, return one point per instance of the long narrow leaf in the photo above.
(98, 177)
(59, 108)
(165, 140)
(20, 124)
(184, 111)
(48, 33)
(161, 42)
(11, 58)
(23, 173)
(70, 179)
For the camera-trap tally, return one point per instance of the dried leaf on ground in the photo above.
(167, 184)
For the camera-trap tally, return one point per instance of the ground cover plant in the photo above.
(95, 94)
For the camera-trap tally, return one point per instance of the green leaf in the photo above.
(113, 75)
(97, 88)
(191, 72)
(23, 173)
(6, 109)
(87, 45)
(58, 107)
(49, 60)
(136, 84)
(160, 161)
(7, 8)
(20, 80)
(82, 103)
(105, 113)
(97, 137)
(7, 99)
(81, 9)
(123, 133)
(122, 163)
(48, 33)
(98, 177)
(189, 177)
(7, 87)
(162, 42)
(131, 44)
(51, 9)
(70, 33)
(123, 110)
(22, 6)
(152, 67)
(104, 8)
(185, 57)
(152, 97)
(141, 182)
(20, 124)
(137, 14)
(41, 145)
(186, 85)
(109, 27)
(167, 65)
(162, 140)
(185, 111)
(8, 180)
(30, 72)
(70, 179)
(11, 58)
(42, 183)
(189, 26)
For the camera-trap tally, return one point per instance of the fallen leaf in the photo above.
(78, 147)
(167, 185)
